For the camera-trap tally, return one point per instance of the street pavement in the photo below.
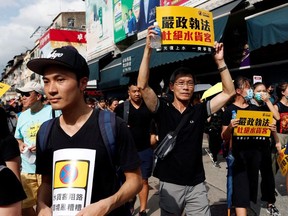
(216, 187)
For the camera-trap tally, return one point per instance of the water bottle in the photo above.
(234, 114)
(30, 156)
(156, 40)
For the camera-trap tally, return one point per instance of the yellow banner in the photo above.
(253, 123)
(185, 29)
(3, 88)
(282, 161)
(72, 174)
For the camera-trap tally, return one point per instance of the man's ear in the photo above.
(39, 97)
(238, 91)
(171, 86)
(83, 83)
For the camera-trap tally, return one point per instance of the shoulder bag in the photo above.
(169, 141)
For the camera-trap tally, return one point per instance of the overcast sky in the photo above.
(20, 18)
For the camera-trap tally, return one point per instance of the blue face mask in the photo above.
(249, 95)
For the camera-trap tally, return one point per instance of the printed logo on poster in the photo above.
(253, 123)
(71, 174)
(186, 29)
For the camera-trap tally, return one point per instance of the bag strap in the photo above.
(126, 111)
(182, 122)
(107, 125)
(44, 133)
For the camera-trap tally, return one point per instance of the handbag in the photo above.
(169, 141)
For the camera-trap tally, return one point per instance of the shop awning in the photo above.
(111, 75)
(94, 66)
(268, 27)
(132, 56)
(221, 16)
(94, 70)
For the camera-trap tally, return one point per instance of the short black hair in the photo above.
(241, 81)
(182, 71)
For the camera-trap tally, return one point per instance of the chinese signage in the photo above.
(72, 180)
(55, 38)
(126, 64)
(185, 29)
(3, 88)
(253, 123)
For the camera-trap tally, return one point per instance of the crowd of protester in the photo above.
(149, 119)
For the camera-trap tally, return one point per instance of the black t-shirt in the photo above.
(184, 165)
(89, 137)
(9, 149)
(11, 190)
(139, 121)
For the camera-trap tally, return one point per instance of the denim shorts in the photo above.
(146, 157)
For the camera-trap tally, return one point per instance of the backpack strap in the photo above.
(107, 125)
(44, 132)
(126, 111)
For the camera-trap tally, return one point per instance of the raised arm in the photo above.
(265, 98)
(147, 92)
(227, 84)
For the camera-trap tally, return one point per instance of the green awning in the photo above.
(111, 75)
(94, 70)
(132, 56)
(268, 27)
(96, 65)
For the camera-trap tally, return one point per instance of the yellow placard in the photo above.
(185, 28)
(253, 123)
(282, 161)
(3, 88)
(72, 174)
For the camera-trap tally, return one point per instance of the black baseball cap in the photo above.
(66, 56)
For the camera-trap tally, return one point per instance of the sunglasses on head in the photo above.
(26, 94)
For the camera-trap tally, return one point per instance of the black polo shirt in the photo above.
(184, 165)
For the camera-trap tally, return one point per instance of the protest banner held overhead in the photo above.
(185, 29)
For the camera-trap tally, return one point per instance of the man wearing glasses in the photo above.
(181, 172)
(27, 126)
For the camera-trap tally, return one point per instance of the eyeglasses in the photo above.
(190, 84)
(26, 94)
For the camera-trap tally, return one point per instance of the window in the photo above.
(71, 22)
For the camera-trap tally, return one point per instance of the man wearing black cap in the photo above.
(75, 155)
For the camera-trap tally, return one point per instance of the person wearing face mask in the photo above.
(270, 91)
(262, 100)
(282, 107)
(246, 150)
